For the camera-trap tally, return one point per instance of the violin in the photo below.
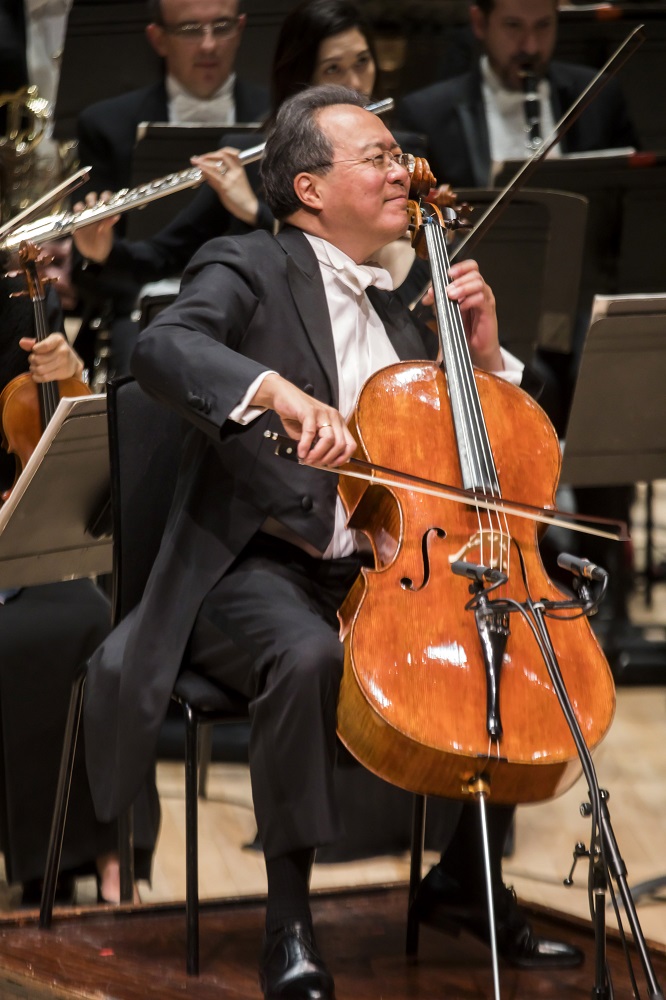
(436, 692)
(26, 407)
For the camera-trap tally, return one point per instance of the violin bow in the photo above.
(615, 62)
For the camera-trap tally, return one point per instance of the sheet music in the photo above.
(45, 525)
(76, 405)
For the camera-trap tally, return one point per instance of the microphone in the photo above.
(581, 567)
(474, 571)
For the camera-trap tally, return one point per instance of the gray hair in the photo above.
(297, 143)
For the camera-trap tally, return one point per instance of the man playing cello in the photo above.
(280, 333)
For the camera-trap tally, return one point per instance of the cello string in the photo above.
(485, 471)
(475, 426)
(456, 372)
(442, 301)
(489, 469)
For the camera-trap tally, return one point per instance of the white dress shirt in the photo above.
(219, 109)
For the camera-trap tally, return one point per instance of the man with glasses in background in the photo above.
(279, 333)
(198, 41)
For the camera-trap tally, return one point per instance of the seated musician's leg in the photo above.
(452, 896)
(269, 630)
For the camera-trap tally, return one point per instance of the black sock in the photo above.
(463, 858)
(288, 889)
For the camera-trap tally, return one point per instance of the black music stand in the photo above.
(617, 435)
(626, 215)
(163, 148)
(69, 472)
(531, 259)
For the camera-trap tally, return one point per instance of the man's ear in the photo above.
(477, 20)
(308, 190)
(157, 38)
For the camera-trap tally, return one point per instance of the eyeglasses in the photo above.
(382, 161)
(194, 31)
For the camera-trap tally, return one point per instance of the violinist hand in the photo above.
(52, 359)
(477, 306)
(94, 242)
(322, 434)
(227, 177)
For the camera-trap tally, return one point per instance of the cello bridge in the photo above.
(490, 548)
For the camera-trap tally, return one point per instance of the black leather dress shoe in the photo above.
(291, 967)
(440, 903)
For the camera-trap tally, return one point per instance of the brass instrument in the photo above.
(27, 119)
(53, 227)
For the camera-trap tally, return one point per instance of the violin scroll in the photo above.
(31, 258)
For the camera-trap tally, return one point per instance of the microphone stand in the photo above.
(604, 854)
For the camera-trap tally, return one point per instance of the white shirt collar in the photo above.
(356, 276)
(218, 109)
(502, 94)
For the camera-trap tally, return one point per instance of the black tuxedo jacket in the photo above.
(451, 115)
(107, 130)
(247, 305)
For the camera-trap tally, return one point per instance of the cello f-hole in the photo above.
(408, 584)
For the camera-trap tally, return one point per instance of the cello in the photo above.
(26, 407)
(435, 691)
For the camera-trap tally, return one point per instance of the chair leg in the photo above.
(415, 869)
(191, 841)
(205, 754)
(57, 834)
(126, 855)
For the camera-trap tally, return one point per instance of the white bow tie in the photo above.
(359, 276)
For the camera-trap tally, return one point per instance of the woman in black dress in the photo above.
(46, 632)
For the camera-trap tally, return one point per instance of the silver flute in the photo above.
(53, 227)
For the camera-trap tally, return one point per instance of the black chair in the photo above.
(144, 440)
(144, 444)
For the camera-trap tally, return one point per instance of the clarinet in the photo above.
(532, 109)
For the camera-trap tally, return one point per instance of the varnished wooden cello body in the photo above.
(26, 407)
(414, 702)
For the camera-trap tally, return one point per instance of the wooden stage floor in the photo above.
(138, 954)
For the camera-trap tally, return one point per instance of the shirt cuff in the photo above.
(513, 368)
(243, 413)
